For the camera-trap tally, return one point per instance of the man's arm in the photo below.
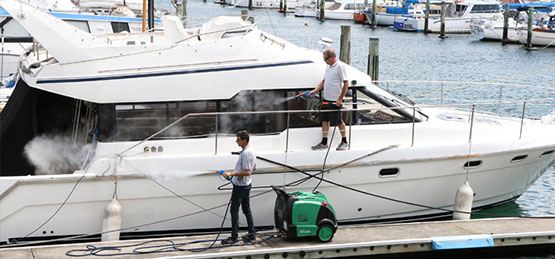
(242, 173)
(343, 93)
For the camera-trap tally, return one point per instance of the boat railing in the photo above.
(351, 112)
(426, 91)
(244, 29)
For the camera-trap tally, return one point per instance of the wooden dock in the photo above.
(508, 237)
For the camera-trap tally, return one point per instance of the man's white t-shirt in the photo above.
(333, 80)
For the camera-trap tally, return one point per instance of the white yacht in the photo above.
(342, 10)
(16, 39)
(541, 37)
(155, 114)
(458, 17)
(269, 4)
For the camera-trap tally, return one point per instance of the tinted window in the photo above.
(120, 27)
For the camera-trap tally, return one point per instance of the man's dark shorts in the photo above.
(329, 112)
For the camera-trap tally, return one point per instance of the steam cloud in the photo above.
(55, 154)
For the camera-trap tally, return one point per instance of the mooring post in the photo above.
(345, 44)
(374, 59)
(505, 25)
(442, 26)
(280, 6)
(374, 14)
(530, 25)
(322, 4)
(250, 4)
(284, 7)
(427, 17)
(184, 13)
(244, 15)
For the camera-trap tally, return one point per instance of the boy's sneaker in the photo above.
(343, 146)
(319, 146)
(229, 241)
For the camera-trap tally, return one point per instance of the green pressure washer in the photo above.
(304, 214)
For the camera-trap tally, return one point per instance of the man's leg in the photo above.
(236, 198)
(325, 129)
(246, 206)
(341, 127)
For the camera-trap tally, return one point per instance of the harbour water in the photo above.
(426, 58)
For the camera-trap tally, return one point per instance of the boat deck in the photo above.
(511, 237)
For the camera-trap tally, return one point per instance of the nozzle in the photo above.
(221, 172)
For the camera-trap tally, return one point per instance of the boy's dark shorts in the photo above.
(329, 112)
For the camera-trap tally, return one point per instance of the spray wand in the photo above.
(220, 174)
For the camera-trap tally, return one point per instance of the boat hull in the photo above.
(148, 186)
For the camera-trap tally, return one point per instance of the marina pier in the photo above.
(508, 237)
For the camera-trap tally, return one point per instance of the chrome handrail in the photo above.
(288, 112)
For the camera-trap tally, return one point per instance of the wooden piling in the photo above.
(374, 59)
(442, 26)
(505, 25)
(427, 17)
(250, 4)
(374, 14)
(280, 6)
(284, 7)
(530, 25)
(345, 44)
(322, 5)
(184, 14)
(244, 14)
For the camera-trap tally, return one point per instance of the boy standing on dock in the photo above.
(335, 85)
(240, 196)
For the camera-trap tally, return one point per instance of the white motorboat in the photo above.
(269, 4)
(541, 37)
(310, 8)
(344, 10)
(458, 17)
(518, 19)
(113, 93)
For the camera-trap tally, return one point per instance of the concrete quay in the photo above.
(507, 237)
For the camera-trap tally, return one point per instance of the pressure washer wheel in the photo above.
(325, 232)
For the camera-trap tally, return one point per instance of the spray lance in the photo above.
(220, 174)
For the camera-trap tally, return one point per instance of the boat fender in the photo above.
(463, 202)
(111, 224)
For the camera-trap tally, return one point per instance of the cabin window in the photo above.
(83, 25)
(260, 112)
(518, 158)
(389, 172)
(460, 8)
(547, 153)
(485, 9)
(120, 27)
(472, 164)
(139, 121)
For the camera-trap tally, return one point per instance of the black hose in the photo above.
(329, 146)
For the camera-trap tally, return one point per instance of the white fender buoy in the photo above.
(463, 201)
(112, 221)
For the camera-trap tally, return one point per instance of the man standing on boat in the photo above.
(335, 85)
(240, 195)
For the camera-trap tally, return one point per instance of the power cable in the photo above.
(388, 198)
